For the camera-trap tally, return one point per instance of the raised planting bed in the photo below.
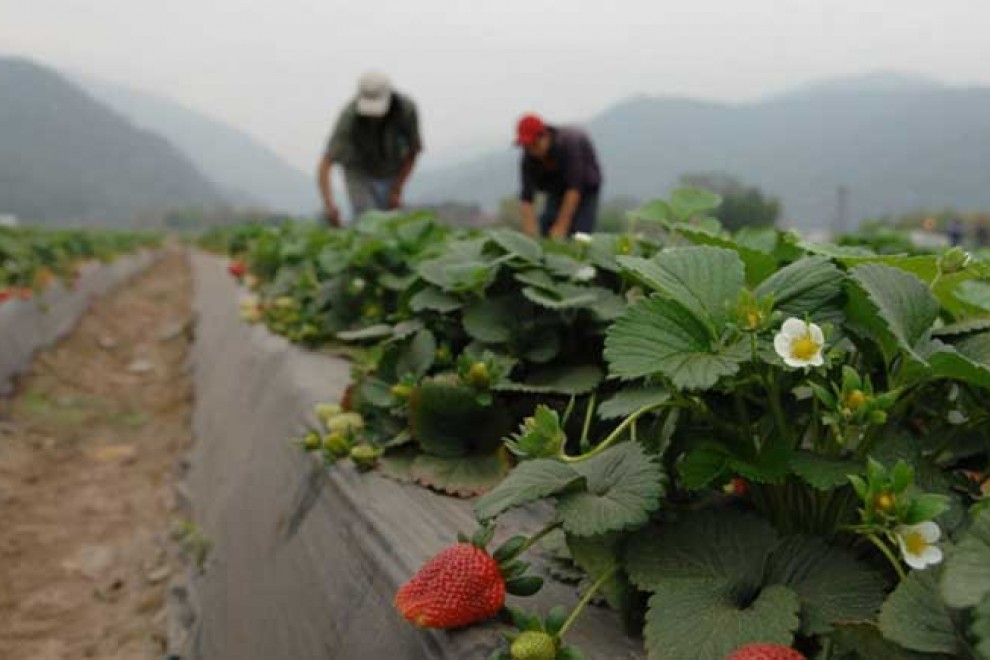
(305, 561)
(28, 325)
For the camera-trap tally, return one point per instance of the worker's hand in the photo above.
(395, 198)
(558, 231)
(332, 215)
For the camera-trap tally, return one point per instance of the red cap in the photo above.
(529, 129)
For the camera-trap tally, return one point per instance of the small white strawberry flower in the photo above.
(800, 343)
(585, 274)
(918, 544)
(581, 237)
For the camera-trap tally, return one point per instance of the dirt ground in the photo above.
(88, 454)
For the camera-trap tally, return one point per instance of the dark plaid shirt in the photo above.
(571, 163)
(376, 147)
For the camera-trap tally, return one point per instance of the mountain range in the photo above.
(66, 158)
(86, 151)
(895, 143)
(248, 172)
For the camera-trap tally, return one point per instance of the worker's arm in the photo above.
(528, 218)
(395, 199)
(568, 206)
(330, 210)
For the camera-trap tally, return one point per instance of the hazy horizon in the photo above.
(281, 73)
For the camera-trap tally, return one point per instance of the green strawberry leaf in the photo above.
(397, 464)
(863, 641)
(703, 464)
(966, 575)
(705, 280)
(538, 278)
(660, 336)
(830, 583)
(725, 547)
(823, 472)
(434, 300)
(966, 327)
(598, 554)
(562, 296)
(916, 618)
(701, 620)
(685, 203)
(624, 486)
(491, 320)
(447, 420)
(657, 210)
(571, 379)
(893, 306)
(528, 482)
(377, 331)
(464, 476)
(980, 627)
(967, 361)
(803, 287)
(418, 356)
(625, 402)
(517, 244)
(759, 264)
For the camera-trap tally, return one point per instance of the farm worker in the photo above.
(376, 141)
(560, 161)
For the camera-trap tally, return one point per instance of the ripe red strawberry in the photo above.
(765, 652)
(24, 293)
(460, 586)
(237, 268)
(5, 295)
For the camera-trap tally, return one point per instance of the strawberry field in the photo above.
(729, 440)
(32, 259)
(47, 278)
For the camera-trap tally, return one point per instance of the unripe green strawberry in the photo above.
(478, 376)
(345, 422)
(765, 652)
(533, 645)
(337, 445)
(365, 456)
(311, 441)
(401, 390)
(324, 411)
(460, 586)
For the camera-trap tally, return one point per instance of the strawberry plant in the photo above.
(31, 259)
(755, 445)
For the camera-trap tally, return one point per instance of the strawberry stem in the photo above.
(875, 540)
(589, 411)
(535, 538)
(585, 599)
(613, 436)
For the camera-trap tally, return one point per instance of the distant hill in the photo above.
(66, 158)
(248, 171)
(897, 143)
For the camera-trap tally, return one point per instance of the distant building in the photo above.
(8, 220)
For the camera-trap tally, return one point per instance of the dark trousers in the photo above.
(584, 217)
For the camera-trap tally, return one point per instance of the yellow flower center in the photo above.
(753, 319)
(855, 399)
(915, 543)
(885, 502)
(804, 348)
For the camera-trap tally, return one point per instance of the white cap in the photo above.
(374, 94)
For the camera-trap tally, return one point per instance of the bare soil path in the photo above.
(88, 450)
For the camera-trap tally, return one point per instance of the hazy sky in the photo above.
(281, 70)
